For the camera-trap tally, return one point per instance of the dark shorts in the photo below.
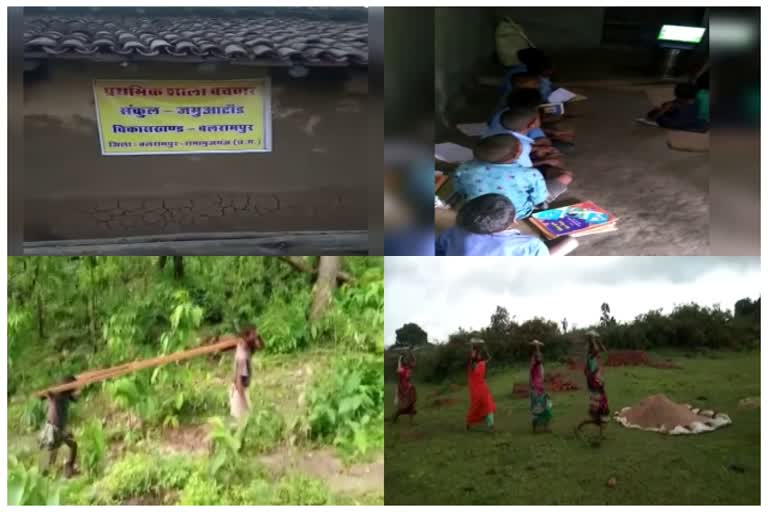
(52, 437)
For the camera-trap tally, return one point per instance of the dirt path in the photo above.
(323, 464)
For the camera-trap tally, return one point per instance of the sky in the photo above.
(443, 294)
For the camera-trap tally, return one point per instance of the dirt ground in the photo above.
(353, 479)
(660, 195)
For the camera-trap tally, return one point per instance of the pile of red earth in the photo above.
(444, 402)
(635, 358)
(553, 383)
(625, 358)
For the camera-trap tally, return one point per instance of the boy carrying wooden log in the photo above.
(238, 398)
(55, 432)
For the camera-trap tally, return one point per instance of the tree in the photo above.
(178, 265)
(500, 321)
(410, 334)
(747, 308)
(322, 291)
(605, 318)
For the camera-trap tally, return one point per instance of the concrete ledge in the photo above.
(298, 243)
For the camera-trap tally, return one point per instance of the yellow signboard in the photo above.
(150, 117)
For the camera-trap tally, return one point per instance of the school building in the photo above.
(309, 170)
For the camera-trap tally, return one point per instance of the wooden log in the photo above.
(225, 343)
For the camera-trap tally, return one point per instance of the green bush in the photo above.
(200, 490)
(356, 319)
(263, 428)
(26, 486)
(283, 325)
(142, 474)
(300, 490)
(33, 414)
(257, 492)
(92, 447)
(346, 405)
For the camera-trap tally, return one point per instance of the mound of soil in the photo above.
(625, 358)
(553, 383)
(658, 410)
(444, 402)
(635, 358)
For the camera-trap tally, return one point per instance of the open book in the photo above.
(564, 95)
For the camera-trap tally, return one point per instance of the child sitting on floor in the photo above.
(682, 113)
(520, 98)
(535, 63)
(540, 65)
(502, 165)
(527, 98)
(519, 120)
(485, 227)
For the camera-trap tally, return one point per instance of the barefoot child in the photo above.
(481, 406)
(55, 432)
(541, 406)
(238, 398)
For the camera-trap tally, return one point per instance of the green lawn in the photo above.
(437, 462)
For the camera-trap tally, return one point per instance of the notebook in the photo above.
(450, 152)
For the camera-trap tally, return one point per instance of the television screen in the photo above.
(680, 34)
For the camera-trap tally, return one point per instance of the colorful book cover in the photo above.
(573, 219)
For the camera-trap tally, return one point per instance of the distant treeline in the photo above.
(688, 327)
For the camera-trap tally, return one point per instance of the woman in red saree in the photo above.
(406, 391)
(481, 406)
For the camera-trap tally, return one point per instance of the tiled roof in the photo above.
(264, 39)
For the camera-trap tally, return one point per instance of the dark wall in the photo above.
(315, 177)
(558, 27)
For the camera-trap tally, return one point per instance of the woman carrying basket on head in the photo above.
(481, 406)
(598, 400)
(541, 405)
(406, 391)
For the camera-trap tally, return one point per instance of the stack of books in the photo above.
(580, 219)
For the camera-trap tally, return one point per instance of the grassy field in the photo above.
(437, 462)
